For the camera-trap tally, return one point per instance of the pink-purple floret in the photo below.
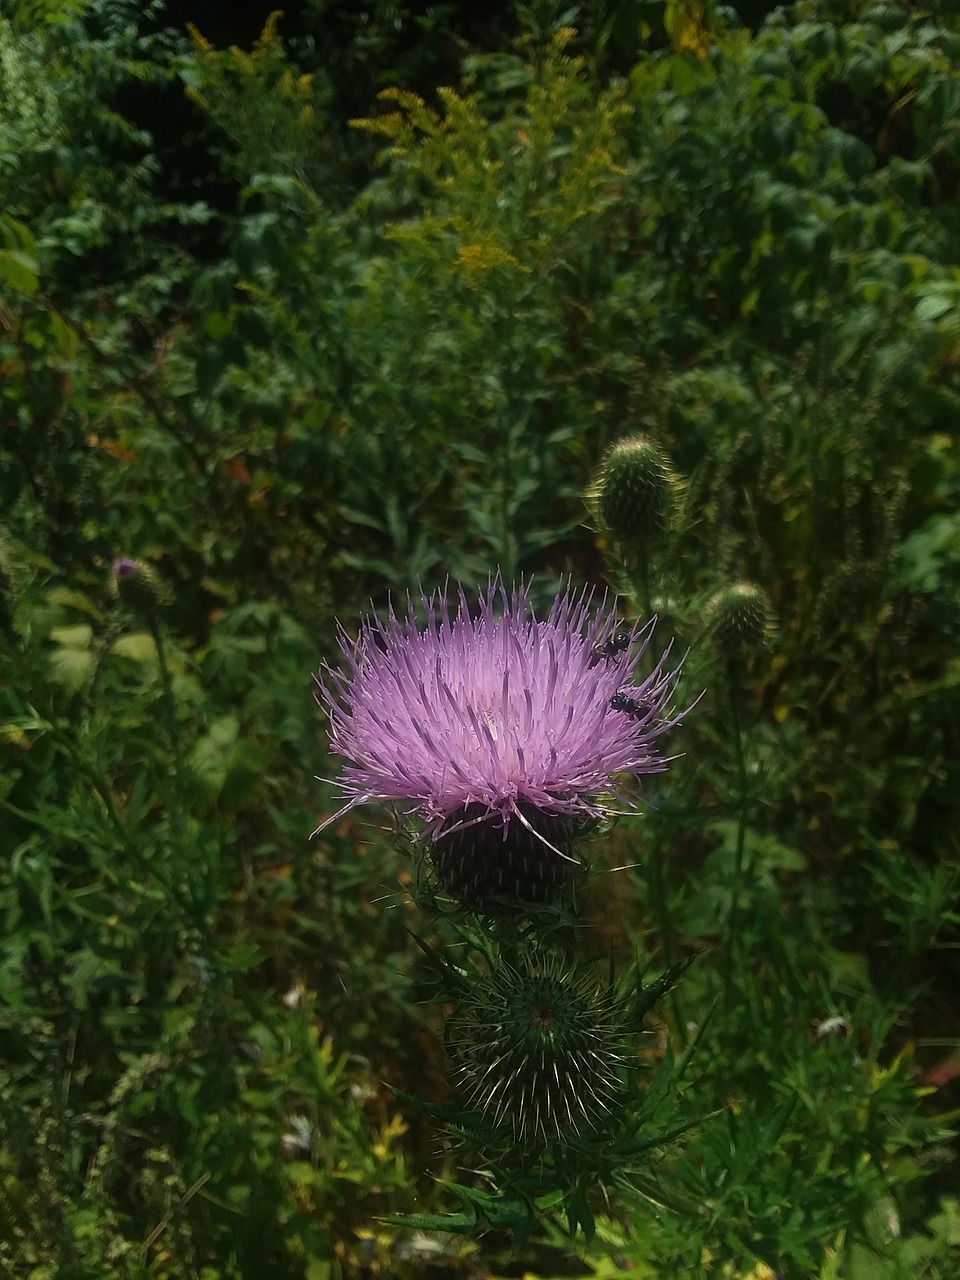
(495, 709)
(124, 567)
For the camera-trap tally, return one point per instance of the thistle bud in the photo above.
(636, 492)
(540, 1054)
(741, 617)
(135, 584)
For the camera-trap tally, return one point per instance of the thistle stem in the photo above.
(642, 582)
(734, 690)
(656, 878)
(172, 782)
(661, 910)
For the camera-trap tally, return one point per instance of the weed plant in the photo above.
(740, 251)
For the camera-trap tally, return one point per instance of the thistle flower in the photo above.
(136, 583)
(499, 731)
(540, 1054)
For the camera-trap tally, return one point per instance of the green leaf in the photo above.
(456, 1223)
(933, 305)
(63, 335)
(19, 271)
(319, 1269)
(138, 646)
(212, 757)
(67, 598)
(75, 637)
(72, 668)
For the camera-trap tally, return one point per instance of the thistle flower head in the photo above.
(540, 1053)
(498, 730)
(124, 569)
(136, 583)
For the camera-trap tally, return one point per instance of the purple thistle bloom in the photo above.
(505, 734)
(124, 567)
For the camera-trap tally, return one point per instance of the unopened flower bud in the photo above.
(541, 1053)
(135, 583)
(635, 495)
(741, 618)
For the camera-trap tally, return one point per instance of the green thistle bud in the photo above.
(741, 618)
(136, 584)
(636, 492)
(540, 1054)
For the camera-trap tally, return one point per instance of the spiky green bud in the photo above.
(741, 617)
(540, 1054)
(636, 493)
(136, 584)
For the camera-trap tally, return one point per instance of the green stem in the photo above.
(661, 911)
(172, 782)
(173, 729)
(656, 878)
(734, 689)
(642, 583)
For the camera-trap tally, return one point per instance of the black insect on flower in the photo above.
(613, 646)
(629, 706)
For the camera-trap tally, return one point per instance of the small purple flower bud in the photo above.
(124, 568)
(135, 583)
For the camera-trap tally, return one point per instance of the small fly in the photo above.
(629, 706)
(618, 643)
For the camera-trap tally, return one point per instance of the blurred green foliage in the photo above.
(740, 245)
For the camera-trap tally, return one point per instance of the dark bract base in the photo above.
(484, 871)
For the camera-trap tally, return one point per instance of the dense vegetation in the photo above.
(301, 326)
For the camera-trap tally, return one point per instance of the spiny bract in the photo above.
(541, 1053)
